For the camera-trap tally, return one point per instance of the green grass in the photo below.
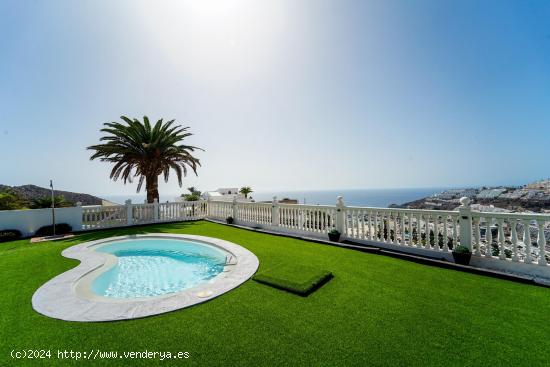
(299, 279)
(375, 311)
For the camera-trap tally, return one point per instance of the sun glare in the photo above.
(216, 40)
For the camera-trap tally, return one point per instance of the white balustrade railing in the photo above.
(187, 210)
(143, 213)
(508, 239)
(427, 229)
(254, 212)
(511, 236)
(220, 209)
(307, 218)
(97, 216)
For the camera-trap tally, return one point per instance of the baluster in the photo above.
(353, 221)
(513, 224)
(527, 242)
(428, 245)
(369, 224)
(445, 239)
(541, 241)
(455, 231)
(318, 219)
(436, 232)
(383, 225)
(488, 237)
(402, 228)
(363, 234)
(502, 254)
(477, 237)
(411, 219)
(376, 226)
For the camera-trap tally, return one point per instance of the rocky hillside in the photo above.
(533, 197)
(30, 192)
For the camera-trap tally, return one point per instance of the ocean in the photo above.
(361, 197)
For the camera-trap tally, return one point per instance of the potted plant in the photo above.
(462, 255)
(229, 220)
(334, 235)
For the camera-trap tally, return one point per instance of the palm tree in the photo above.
(46, 202)
(194, 194)
(245, 191)
(138, 149)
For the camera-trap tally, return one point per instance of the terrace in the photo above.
(377, 310)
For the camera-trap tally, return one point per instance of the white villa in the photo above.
(225, 194)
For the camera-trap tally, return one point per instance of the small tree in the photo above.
(194, 194)
(245, 191)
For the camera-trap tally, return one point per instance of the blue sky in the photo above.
(282, 94)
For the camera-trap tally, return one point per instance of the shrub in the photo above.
(9, 235)
(9, 200)
(334, 232)
(461, 249)
(415, 235)
(229, 220)
(61, 228)
(432, 238)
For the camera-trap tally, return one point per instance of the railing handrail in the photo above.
(406, 210)
(522, 216)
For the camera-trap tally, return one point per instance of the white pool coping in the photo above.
(67, 297)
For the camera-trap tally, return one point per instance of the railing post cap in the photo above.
(155, 201)
(79, 203)
(340, 201)
(465, 202)
(128, 202)
(234, 199)
(274, 199)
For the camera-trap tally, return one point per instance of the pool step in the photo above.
(230, 260)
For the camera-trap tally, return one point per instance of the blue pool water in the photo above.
(154, 267)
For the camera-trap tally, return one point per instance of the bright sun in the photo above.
(207, 39)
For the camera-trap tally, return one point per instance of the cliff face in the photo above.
(30, 192)
(533, 197)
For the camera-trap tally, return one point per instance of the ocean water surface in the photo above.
(357, 197)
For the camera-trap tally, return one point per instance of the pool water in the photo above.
(155, 267)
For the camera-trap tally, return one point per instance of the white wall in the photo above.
(28, 221)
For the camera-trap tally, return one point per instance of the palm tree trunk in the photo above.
(151, 185)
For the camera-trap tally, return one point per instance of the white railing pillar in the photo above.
(275, 212)
(234, 208)
(129, 212)
(340, 215)
(155, 210)
(465, 215)
(207, 206)
(80, 216)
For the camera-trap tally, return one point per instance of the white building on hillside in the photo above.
(225, 194)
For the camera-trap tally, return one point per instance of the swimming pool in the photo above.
(142, 275)
(157, 266)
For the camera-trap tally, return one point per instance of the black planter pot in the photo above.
(229, 220)
(334, 237)
(462, 258)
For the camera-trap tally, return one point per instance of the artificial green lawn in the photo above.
(375, 311)
(299, 279)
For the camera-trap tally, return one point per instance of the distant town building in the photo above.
(456, 194)
(490, 193)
